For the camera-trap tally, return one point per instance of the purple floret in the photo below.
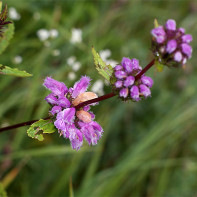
(67, 119)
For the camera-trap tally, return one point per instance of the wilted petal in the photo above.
(147, 81)
(145, 90)
(84, 116)
(127, 64)
(171, 25)
(51, 99)
(58, 88)
(84, 97)
(55, 110)
(81, 86)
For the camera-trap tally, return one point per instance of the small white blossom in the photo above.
(71, 76)
(18, 59)
(43, 34)
(76, 36)
(71, 60)
(53, 33)
(36, 16)
(105, 54)
(56, 52)
(76, 66)
(113, 63)
(13, 14)
(97, 87)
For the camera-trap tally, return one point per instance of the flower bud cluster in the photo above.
(126, 85)
(171, 45)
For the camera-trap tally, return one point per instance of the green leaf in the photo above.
(43, 126)
(7, 36)
(5, 70)
(159, 67)
(2, 191)
(103, 69)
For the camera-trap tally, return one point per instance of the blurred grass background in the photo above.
(148, 148)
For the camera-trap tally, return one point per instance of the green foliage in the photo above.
(103, 69)
(2, 191)
(43, 126)
(6, 37)
(159, 67)
(5, 70)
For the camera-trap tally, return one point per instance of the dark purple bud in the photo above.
(135, 64)
(186, 49)
(182, 30)
(124, 92)
(170, 25)
(120, 74)
(134, 93)
(126, 62)
(145, 90)
(171, 46)
(129, 81)
(187, 38)
(118, 84)
(159, 34)
(118, 67)
(147, 81)
(178, 56)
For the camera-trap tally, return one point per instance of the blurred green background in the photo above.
(147, 149)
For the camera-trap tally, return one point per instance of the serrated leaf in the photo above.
(6, 37)
(5, 70)
(37, 129)
(156, 24)
(103, 69)
(159, 67)
(2, 191)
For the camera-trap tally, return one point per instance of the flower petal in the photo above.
(81, 86)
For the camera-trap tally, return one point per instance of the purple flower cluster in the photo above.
(74, 124)
(125, 83)
(171, 45)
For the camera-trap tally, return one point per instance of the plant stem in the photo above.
(145, 69)
(20, 125)
(101, 98)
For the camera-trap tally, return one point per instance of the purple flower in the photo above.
(125, 83)
(174, 50)
(71, 123)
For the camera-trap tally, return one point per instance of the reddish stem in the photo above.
(101, 98)
(145, 69)
(20, 125)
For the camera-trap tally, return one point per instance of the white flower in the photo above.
(76, 36)
(43, 34)
(71, 60)
(36, 16)
(56, 52)
(76, 66)
(97, 87)
(71, 76)
(113, 63)
(53, 33)
(18, 59)
(105, 54)
(13, 14)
